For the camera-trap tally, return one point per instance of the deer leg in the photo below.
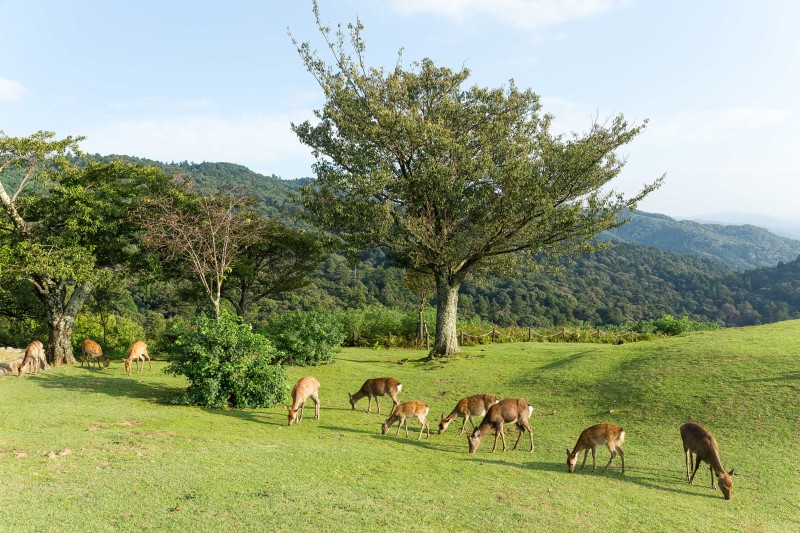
(519, 437)
(464, 427)
(696, 466)
(316, 406)
(399, 425)
(503, 436)
(302, 407)
(427, 429)
(613, 454)
(406, 421)
(148, 362)
(713, 485)
(687, 459)
(378, 404)
(585, 455)
(496, 431)
(369, 404)
(594, 458)
(622, 456)
(424, 423)
(395, 402)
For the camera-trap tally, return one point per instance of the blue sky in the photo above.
(719, 80)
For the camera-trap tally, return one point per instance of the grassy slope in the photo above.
(136, 463)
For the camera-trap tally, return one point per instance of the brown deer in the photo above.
(698, 440)
(33, 358)
(92, 352)
(305, 388)
(373, 388)
(506, 411)
(403, 412)
(475, 405)
(609, 434)
(138, 353)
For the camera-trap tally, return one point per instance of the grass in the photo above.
(136, 462)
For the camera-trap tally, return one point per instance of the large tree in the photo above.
(452, 179)
(67, 224)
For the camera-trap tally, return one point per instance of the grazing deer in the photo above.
(698, 440)
(33, 358)
(373, 388)
(475, 405)
(403, 412)
(138, 353)
(609, 434)
(305, 388)
(506, 411)
(92, 352)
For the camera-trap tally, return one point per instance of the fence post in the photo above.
(427, 338)
(461, 339)
(529, 334)
(494, 333)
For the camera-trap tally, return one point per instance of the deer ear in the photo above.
(732, 472)
(568, 452)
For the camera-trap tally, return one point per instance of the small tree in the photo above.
(206, 231)
(279, 260)
(227, 365)
(452, 180)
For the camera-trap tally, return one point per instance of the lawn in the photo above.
(123, 458)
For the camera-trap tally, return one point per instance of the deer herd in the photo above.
(496, 413)
(698, 443)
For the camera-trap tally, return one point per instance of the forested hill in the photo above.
(739, 247)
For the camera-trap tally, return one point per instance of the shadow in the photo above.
(539, 466)
(785, 376)
(115, 386)
(348, 430)
(566, 360)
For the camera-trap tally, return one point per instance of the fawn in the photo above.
(506, 411)
(138, 353)
(92, 352)
(475, 405)
(373, 388)
(403, 412)
(305, 388)
(698, 440)
(609, 434)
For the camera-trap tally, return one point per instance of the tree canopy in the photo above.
(451, 179)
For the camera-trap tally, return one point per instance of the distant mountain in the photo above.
(740, 247)
(778, 226)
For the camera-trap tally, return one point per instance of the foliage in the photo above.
(227, 365)
(306, 338)
(670, 325)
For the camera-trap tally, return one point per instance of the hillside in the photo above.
(739, 247)
(228, 470)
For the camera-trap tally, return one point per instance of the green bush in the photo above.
(227, 365)
(306, 337)
(670, 325)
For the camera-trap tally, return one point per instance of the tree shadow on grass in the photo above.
(783, 376)
(94, 382)
(565, 361)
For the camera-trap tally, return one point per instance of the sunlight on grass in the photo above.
(134, 461)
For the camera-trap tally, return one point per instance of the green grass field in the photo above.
(138, 463)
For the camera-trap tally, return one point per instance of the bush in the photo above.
(227, 364)
(306, 337)
(669, 325)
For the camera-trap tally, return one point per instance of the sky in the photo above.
(717, 80)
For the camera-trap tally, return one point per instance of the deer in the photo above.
(34, 354)
(475, 405)
(698, 440)
(375, 387)
(138, 353)
(506, 411)
(609, 434)
(404, 411)
(305, 388)
(92, 352)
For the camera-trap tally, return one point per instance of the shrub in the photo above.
(669, 325)
(306, 337)
(227, 365)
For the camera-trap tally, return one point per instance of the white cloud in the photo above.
(10, 90)
(264, 144)
(525, 14)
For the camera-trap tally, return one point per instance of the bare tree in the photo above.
(207, 232)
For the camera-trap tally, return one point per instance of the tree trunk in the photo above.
(59, 348)
(446, 342)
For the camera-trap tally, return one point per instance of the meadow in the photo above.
(121, 457)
